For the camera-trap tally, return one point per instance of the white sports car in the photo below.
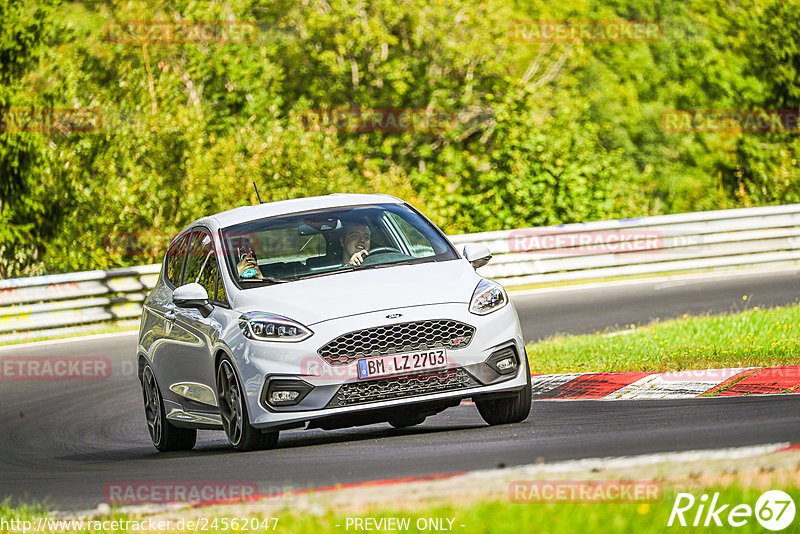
(323, 312)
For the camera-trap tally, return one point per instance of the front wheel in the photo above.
(233, 409)
(164, 435)
(507, 409)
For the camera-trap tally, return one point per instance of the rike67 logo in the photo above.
(774, 510)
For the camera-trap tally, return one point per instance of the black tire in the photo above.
(235, 421)
(407, 422)
(507, 409)
(165, 436)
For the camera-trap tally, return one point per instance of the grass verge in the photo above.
(756, 337)
(490, 516)
(503, 516)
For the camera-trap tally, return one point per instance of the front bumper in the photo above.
(336, 390)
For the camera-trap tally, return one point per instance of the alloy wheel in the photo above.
(230, 402)
(152, 404)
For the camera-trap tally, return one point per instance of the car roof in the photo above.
(244, 214)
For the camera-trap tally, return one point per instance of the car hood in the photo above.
(323, 298)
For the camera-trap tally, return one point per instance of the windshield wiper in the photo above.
(344, 269)
(410, 261)
(270, 279)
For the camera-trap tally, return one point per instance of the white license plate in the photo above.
(402, 363)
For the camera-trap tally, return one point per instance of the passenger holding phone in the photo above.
(247, 265)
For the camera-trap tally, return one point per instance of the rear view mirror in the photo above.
(192, 296)
(313, 225)
(477, 255)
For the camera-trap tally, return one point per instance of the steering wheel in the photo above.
(379, 250)
(383, 250)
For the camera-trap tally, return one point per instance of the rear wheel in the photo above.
(507, 409)
(164, 435)
(233, 409)
(407, 421)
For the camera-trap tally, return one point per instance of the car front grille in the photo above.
(395, 338)
(402, 386)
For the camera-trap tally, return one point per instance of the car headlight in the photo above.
(269, 327)
(488, 297)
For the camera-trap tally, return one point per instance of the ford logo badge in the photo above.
(394, 315)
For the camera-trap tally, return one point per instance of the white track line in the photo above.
(620, 462)
(677, 385)
(665, 279)
(91, 337)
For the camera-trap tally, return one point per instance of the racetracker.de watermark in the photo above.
(325, 373)
(149, 243)
(586, 31)
(363, 120)
(734, 121)
(55, 368)
(155, 243)
(521, 491)
(766, 375)
(130, 493)
(547, 241)
(50, 120)
(181, 32)
(209, 523)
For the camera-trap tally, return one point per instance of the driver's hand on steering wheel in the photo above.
(358, 257)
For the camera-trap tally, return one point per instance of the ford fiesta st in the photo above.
(323, 312)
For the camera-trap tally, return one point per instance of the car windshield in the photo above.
(323, 242)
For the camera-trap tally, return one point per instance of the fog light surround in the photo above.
(285, 392)
(504, 361)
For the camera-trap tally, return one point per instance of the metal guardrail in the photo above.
(72, 302)
(67, 303)
(662, 244)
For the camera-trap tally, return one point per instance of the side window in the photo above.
(221, 296)
(175, 261)
(201, 265)
(418, 244)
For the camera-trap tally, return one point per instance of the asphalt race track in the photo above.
(585, 310)
(63, 442)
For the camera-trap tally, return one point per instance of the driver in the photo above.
(355, 242)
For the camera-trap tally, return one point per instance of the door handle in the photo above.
(170, 316)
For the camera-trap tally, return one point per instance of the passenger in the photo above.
(248, 265)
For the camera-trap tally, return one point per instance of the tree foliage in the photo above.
(533, 133)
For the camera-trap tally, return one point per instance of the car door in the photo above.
(190, 371)
(160, 336)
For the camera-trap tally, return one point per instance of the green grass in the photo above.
(755, 337)
(504, 516)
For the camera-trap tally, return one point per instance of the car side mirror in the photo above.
(192, 296)
(477, 255)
